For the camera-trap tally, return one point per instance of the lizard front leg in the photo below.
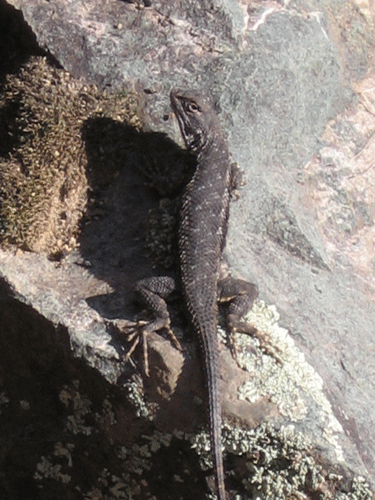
(152, 293)
(237, 180)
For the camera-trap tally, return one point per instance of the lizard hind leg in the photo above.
(152, 293)
(241, 295)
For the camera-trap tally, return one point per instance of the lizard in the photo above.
(203, 224)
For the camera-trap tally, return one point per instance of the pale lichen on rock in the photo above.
(46, 469)
(4, 400)
(291, 383)
(281, 464)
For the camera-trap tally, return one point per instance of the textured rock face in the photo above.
(294, 88)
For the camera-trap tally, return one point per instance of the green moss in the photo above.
(46, 170)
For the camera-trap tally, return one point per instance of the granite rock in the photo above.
(294, 88)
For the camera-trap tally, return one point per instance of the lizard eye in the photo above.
(192, 107)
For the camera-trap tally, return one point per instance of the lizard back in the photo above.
(202, 234)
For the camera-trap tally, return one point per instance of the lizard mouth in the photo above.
(175, 103)
(186, 130)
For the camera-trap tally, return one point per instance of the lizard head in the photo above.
(196, 118)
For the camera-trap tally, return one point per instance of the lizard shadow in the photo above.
(130, 229)
(125, 236)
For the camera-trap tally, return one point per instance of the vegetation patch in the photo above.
(55, 134)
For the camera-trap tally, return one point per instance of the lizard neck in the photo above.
(213, 153)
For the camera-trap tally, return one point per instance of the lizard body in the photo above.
(202, 232)
(201, 240)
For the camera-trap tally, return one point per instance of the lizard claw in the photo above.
(263, 337)
(137, 332)
(267, 346)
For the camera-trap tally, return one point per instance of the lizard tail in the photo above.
(217, 454)
(211, 355)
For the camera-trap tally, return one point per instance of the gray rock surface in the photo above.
(294, 88)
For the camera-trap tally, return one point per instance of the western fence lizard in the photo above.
(201, 236)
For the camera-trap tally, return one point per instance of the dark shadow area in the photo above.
(177, 460)
(49, 399)
(129, 172)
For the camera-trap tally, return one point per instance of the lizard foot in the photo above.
(138, 332)
(263, 337)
